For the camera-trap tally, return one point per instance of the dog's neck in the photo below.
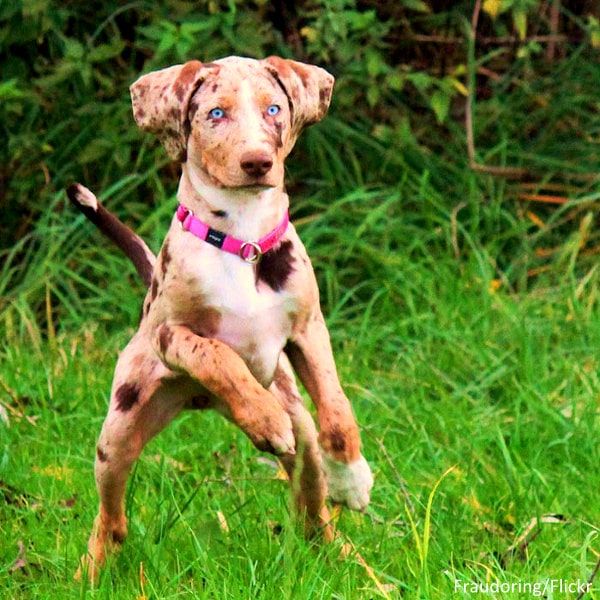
(245, 213)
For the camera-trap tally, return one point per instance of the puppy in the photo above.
(232, 307)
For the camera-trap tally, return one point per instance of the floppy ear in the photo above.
(161, 100)
(307, 87)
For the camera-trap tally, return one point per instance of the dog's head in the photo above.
(235, 119)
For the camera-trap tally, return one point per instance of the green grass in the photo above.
(477, 400)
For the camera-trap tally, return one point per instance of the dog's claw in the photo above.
(278, 445)
(349, 484)
(272, 431)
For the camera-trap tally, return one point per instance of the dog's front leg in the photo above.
(349, 477)
(223, 373)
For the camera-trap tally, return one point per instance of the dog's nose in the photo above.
(256, 163)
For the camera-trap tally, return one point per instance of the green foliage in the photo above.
(397, 113)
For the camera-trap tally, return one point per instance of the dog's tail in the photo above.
(132, 245)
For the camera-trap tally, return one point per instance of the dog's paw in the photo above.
(273, 433)
(349, 484)
(277, 443)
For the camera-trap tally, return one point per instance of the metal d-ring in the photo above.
(252, 258)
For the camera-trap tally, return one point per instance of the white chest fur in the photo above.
(248, 315)
(255, 320)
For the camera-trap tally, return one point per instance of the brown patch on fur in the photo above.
(119, 536)
(153, 289)
(127, 396)
(165, 337)
(341, 439)
(337, 439)
(193, 109)
(205, 322)
(102, 456)
(165, 257)
(186, 78)
(279, 134)
(276, 266)
(285, 385)
(302, 72)
(324, 99)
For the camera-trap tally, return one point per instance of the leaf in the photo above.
(421, 80)
(21, 561)
(310, 34)
(520, 22)
(194, 27)
(9, 90)
(375, 63)
(440, 103)
(105, 52)
(373, 95)
(460, 86)
(492, 7)
(360, 21)
(594, 29)
(73, 48)
(395, 81)
(416, 5)
(223, 525)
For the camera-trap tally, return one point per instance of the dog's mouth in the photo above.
(254, 183)
(257, 186)
(248, 188)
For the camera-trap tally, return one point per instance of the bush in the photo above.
(403, 70)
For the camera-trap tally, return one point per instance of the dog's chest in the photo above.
(219, 296)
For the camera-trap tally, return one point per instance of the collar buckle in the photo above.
(255, 255)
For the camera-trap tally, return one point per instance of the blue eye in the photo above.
(273, 110)
(217, 113)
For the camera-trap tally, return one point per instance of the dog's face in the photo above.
(234, 120)
(240, 119)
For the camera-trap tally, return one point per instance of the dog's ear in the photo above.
(161, 100)
(307, 87)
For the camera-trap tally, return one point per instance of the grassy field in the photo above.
(477, 402)
(464, 313)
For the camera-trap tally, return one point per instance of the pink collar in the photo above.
(251, 252)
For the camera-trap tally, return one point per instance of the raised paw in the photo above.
(348, 484)
(270, 430)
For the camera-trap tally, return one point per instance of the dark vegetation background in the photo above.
(413, 76)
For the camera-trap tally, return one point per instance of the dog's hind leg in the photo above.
(145, 397)
(305, 471)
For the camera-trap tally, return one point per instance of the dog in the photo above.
(232, 307)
